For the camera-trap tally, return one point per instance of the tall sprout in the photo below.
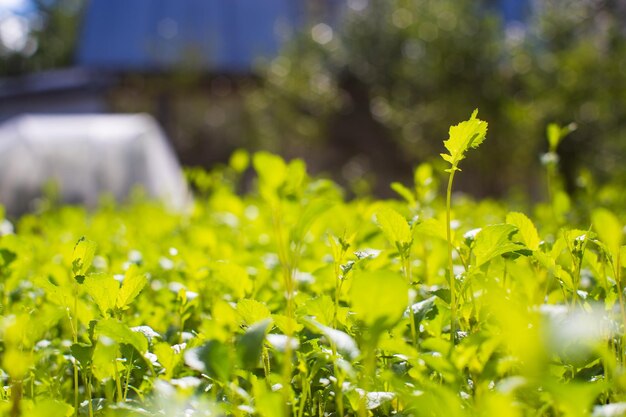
(465, 135)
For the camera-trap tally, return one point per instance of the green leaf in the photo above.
(320, 308)
(286, 324)
(556, 134)
(272, 172)
(84, 251)
(525, 229)
(267, 402)
(234, 277)
(104, 290)
(121, 333)
(214, 358)
(609, 229)
(239, 160)
(395, 228)
(82, 352)
(295, 176)
(250, 345)
(49, 408)
(344, 343)
(465, 135)
(492, 241)
(131, 287)
(425, 309)
(379, 298)
(312, 212)
(403, 192)
(6, 257)
(252, 311)
(432, 228)
(104, 358)
(168, 357)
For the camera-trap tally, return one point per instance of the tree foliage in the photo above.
(404, 68)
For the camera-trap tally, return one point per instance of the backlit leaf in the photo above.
(84, 252)
(132, 285)
(403, 192)
(492, 241)
(465, 135)
(525, 229)
(609, 229)
(252, 311)
(104, 289)
(342, 341)
(49, 408)
(214, 358)
(250, 345)
(395, 227)
(121, 333)
(104, 359)
(379, 298)
(432, 228)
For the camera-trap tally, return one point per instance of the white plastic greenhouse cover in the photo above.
(87, 155)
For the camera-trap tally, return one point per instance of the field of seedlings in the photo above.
(292, 300)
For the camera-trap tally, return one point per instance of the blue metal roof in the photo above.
(217, 35)
(223, 35)
(514, 10)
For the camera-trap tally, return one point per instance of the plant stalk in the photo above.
(406, 268)
(450, 264)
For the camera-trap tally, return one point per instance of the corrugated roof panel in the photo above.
(223, 35)
(254, 17)
(114, 34)
(220, 35)
(207, 45)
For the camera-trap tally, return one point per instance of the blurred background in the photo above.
(362, 90)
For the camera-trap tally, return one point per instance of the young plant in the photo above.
(465, 135)
(84, 252)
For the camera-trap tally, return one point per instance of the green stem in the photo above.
(16, 398)
(338, 376)
(618, 280)
(450, 264)
(306, 387)
(74, 326)
(265, 356)
(406, 268)
(338, 284)
(289, 283)
(128, 371)
(118, 381)
(88, 388)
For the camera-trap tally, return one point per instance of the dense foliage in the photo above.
(384, 84)
(52, 31)
(291, 300)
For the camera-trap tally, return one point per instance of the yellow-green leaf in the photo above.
(403, 192)
(609, 229)
(104, 289)
(492, 241)
(104, 358)
(394, 226)
(84, 251)
(252, 311)
(432, 228)
(525, 229)
(465, 135)
(121, 333)
(48, 408)
(132, 285)
(379, 298)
